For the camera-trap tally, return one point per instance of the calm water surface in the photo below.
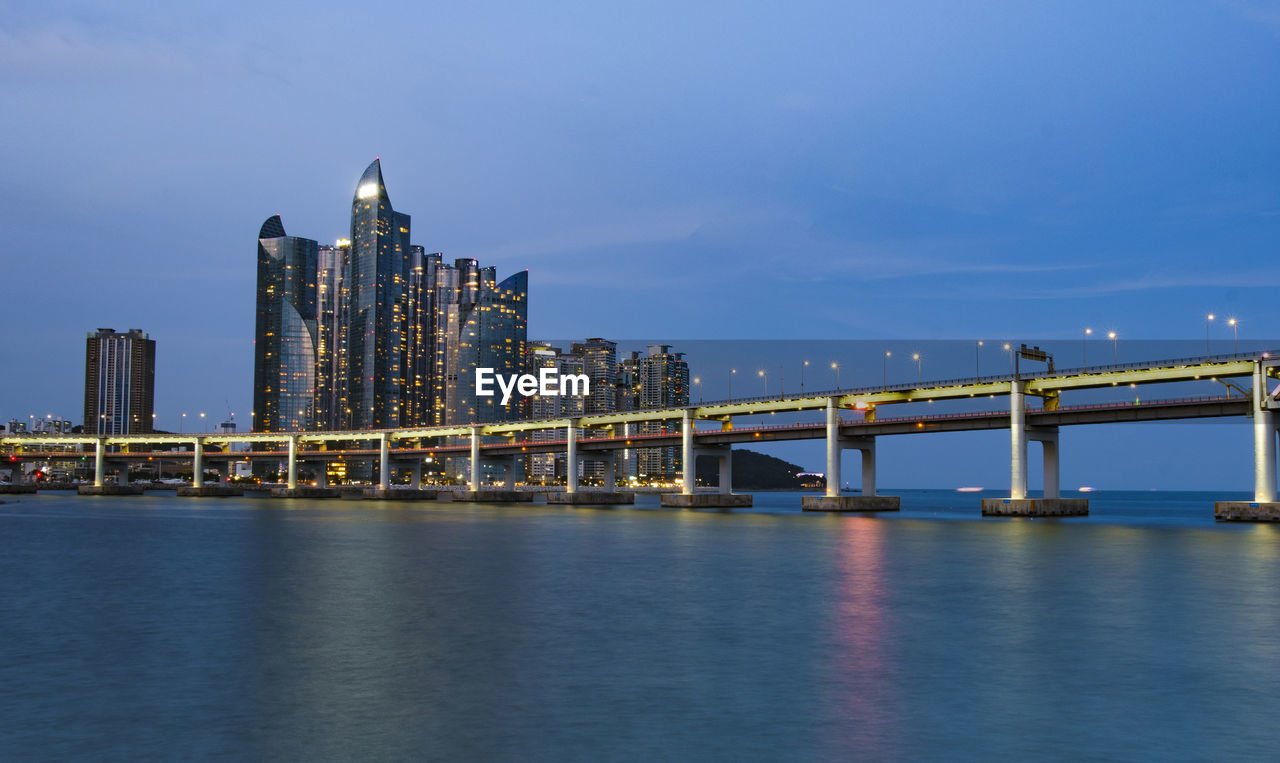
(154, 627)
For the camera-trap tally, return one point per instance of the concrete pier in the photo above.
(493, 496)
(1246, 511)
(392, 494)
(1035, 507)
(23, 488)
(851, 503)
(705, 500)
(109, 490)
(305, 492)
(591, 498)
(210, 491)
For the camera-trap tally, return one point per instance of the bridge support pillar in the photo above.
(197, 463)
(474, 483)
(833, 501)
(384, 463)
(1018, 441)
(99, 462)
(322, 475)
(571, 457)
(687, 458)
(1018, 504)
(292, 483)
(1263, 507)
(417, 473)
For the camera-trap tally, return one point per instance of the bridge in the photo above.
(506, 443)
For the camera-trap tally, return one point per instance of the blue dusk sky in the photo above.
(714, 170)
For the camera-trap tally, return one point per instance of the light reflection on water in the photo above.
(163, 628)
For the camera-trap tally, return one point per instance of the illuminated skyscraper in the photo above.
(375, 333)
(378, 303)
(479, 324)
(286, 335)
(333, 282)
(119, 382)
(663, 382)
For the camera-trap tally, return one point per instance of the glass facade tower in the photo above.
(378, 303)
(286, 335)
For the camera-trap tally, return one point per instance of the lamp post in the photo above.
(977, 359)
(1084, 348)
(202, 429)
(1009, 349)
(836, 367)
(181, 419)
(697, 382)
(803, 366)
(765, 379)
(732, 371)
(1115, 347)
(919, 365)
(1235, 334)
(1208, 320)
(884, 368)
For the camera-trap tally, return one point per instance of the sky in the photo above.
(809, 170)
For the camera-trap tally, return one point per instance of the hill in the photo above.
(754, 471)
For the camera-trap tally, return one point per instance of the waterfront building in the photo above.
(374, 332)
(663, 383)
(119, 382)
(379, 264)
(546, 468)
(600, 365)
(479, 323)
(286, 332)
(333, 298)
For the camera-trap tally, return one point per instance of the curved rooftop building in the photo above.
(284, 362)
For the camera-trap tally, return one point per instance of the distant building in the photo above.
(600, 364)
(286, 332)
(663, 382)
(119, 382)
(545, 468)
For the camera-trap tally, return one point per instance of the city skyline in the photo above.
(1001, 172)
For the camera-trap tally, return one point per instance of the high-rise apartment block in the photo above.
(659, 380)
(376, 333)
(119, 382)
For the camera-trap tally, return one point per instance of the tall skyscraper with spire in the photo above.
(380, 264)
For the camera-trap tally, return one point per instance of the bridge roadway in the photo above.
(1025, 423)
(1104, 413)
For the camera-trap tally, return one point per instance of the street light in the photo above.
(1208, 319)
(1235, 334)
(836, 367)
(977, 359)
(1115, 346)
(919, 364)
(765, 378)
(732, 371)
(803, 366)
(202, 429)
(884, 368)
(1084, 348)
(180, 421)
(697, 382)
(1009, 349)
